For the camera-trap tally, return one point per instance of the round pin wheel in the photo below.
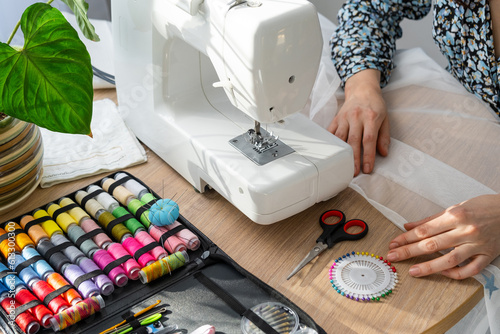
(163, 212)
(363, 276)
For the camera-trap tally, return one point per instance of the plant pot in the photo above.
(21, 158)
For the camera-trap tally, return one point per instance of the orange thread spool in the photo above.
(56, 281)
(8, 246)
(22, 239)
(35, 232)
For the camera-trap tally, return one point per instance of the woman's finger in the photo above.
(424, 229)
(426, 246)
(445, 262)
(472, 268)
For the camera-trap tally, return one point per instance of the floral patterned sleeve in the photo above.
(367, 33)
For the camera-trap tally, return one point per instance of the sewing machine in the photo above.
(215, 88)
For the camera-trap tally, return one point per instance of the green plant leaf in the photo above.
(80, 9)
(49, 81)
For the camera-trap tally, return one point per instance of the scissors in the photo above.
(333, 232)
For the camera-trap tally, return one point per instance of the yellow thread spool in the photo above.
(118, 231)
(77, 213)
(120, 192)
(50, 227)
(64, 220)
(22, 239)
(35, 232)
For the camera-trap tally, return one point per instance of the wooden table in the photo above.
(431, 305)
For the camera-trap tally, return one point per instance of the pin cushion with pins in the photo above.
(279, 316)
(363, 276)
(164, 212)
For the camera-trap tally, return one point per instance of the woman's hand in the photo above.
(362, 121)
(471, 228)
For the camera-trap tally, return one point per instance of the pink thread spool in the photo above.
(146, 239)
(102, 258)
(130, 266)
(102, 240)
(191, 240)
(172, 243)
(132, 246)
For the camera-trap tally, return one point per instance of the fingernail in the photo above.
(392, 256)
(393, 245)
(414, 271)
(366, 168)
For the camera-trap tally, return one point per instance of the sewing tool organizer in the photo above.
(197, 284)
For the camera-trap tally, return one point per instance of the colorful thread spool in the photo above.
(42, 268)
(25, 320)
(77, 213)
(105, 219)
(56, 259)
(102, 240)
(189, 238)
(71, 252)
(135, 248)
(171, 242)
(130, 266)
(106, 263)
(11, 281)
(78, 236)
(76, 313)
(122, 194)
(105, 199)
(101, 281)
(126, 198)
(49, 226)
(35, 232)
(112, 206)
(146, 239)
(75, 276)
(133, 186)
(63, 219)
(56, 281)
(163, 267)
(118, 231)
(40, 311)
(25, 272)
(8, 244)
(42, 289)
(3, 291)
(21, 238)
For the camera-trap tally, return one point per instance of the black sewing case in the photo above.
(210, 289)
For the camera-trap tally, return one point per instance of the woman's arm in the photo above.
(363, 46)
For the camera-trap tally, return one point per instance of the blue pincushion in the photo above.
(164, 212)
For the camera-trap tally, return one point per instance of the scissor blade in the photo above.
(320, 247)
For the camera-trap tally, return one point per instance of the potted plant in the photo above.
(48, 83)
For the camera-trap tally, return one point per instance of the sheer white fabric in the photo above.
(445, 148)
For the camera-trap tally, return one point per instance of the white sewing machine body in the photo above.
(263, 59)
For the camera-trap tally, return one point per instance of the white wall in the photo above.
(415, 33)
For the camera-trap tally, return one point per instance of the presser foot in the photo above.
(260, 146)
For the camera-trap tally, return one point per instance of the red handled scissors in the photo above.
(333, 232)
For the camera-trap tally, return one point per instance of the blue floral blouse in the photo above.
(368, 29)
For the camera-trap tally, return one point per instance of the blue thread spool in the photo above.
(42, 268)
(27, 274)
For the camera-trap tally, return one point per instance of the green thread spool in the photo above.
(163, 266)
(118, 231)
(132, 224)
(147, 197)
(134, 205)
